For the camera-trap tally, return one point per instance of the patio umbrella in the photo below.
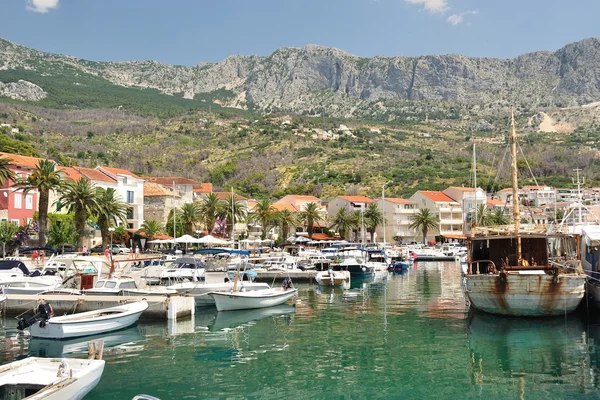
(302, 239)
(212, 240)
(187, 239)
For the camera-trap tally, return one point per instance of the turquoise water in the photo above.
(410, 337)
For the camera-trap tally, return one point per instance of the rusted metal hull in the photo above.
(530, 294)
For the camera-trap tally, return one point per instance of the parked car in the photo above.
(119, 249)
(97, 249)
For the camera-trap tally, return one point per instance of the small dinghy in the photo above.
(331, 278)
(37, 378)
(45, 325)
(261, 298)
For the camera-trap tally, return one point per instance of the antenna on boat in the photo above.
(515, 184)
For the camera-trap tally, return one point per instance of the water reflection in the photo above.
(529, 355)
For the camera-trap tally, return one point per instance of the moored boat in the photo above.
(332, 278)
(36, 378)
(238, 300)
(44, 325)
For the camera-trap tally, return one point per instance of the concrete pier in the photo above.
(159, 307)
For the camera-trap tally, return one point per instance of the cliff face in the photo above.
(319, 79)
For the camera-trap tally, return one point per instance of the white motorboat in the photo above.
(36, 378)
(124, 286)
(238, 300)
(200, 291)
(332, 278)
(82, 324)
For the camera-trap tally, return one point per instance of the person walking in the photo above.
(137, 251)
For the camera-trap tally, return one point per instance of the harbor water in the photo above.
(410, 336)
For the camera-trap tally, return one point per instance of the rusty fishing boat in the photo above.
(521, 270)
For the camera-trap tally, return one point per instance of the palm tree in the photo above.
(310, 215)
(232, 211)
(6, 174)
(356, 220)
(343, 222)
(8, 230)
(373, 218)
(498, 217)
(286, 220)
(190, 215)
(151, 228)
(210, 208)
(81, 198)
(110, 210)
(424, 221)
(265, 214)
(484, 216)
(61, 233)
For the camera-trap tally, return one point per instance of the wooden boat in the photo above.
(88, 323)
(332, 278)
(36, 378)
(236, 300)
(522, 272)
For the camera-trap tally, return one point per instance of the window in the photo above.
(18, 200)
(130, 213)
(29, 202)
(130, 196)
(130, 226)
(14, 222)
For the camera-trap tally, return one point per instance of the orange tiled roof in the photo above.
(94, 175)
(396, 200)
(203, 188)
(21, 161)
(118, 171)
(494, 203)
(462, 188)
(152, 189)
(436, 196)
(69, 173)
(284, 206)
(323, 236)
(505, 190)
(357, 199)
(303, 197)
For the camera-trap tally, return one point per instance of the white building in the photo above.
(398, 216)
(447, 209)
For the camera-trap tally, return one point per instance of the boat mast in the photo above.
(515, 185)
(475, 179)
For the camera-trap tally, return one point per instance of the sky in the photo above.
(187, 32)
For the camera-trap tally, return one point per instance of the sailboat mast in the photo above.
(475, 179)
(515, 185)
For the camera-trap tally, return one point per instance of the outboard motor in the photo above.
(287, 283)
(44, 313)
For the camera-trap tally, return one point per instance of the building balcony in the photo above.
(449, 210)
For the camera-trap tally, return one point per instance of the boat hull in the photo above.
(250, 300)
(333, 278)
(200, 291)
(34, 370)
(88, 323)
(525, 294)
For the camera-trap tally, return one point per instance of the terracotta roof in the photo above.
(323, 236)
(438, 197)
(494, 203)
(21, 161)
(357, 199)
(69, 173)
(118, 171)
(95, 175)
(152, 189)
(303, 197)
(162, 237)
(505, 190)
(462, 188)
(227, 196)
(203, 188)
(396, 200)
(284, 206)
(169, 180)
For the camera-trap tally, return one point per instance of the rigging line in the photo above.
(528, 166)
(501, 165)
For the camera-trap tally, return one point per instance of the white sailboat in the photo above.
(512, 271)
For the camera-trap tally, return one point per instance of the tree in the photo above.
(310, 215)
(344, 222)
(373, 218)
(110, 210)
(286, 220)
(81, 198)
(151, 228)
(232, 211)
(60, 234)
(190, 215)
(424, 221)
(498, 217)
(264, 214)
(210, 209)
(169, 228)
(44, 179)
(6, 174)
(484, 216)
(8, 230)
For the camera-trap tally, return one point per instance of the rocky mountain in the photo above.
(317, 80)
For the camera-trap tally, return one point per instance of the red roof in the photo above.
(94, 175)
(227, 196)
(323, 236)
(357, 199)
(69, 173)
(302, 197)
(462, 188)
(203, 188)
(21, 161)
(437, 197)
(118, 171)
(169, 180)
(284, 206)
(396, 200)
(152, 189)
(494, 203)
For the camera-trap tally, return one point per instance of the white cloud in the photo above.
(459, 18)
(41, 6)
(433, 6)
